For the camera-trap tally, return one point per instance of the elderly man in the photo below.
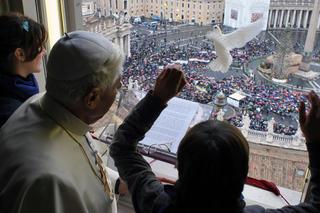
(48, 163)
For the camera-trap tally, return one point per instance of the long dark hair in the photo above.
(19, 31)
(213, 165)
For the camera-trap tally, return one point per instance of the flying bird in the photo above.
(223, 43)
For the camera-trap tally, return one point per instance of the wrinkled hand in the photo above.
(169, 83)
(310, 122)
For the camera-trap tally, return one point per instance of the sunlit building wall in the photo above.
(198, 11)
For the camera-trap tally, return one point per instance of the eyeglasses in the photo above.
(158, 147)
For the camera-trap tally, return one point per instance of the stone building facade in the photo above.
(100, 17)
(283, 166)
(291, 13)
(282, 14)
(198, 11)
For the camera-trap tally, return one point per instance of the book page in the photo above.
(172, 124)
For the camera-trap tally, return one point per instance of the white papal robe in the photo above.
(46, 163)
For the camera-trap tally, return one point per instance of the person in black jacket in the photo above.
(21, 49)
(212, 159)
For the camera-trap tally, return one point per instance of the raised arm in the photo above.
(133, 169)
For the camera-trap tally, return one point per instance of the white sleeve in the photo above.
(112, 177)
(51, 195)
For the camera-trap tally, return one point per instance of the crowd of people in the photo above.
(263, 100)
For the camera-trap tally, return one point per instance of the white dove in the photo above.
(223, 43)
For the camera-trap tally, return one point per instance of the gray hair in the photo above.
(72, 91)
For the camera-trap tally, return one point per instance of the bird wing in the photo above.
(211, 36)
(223, 60)
(241, 36)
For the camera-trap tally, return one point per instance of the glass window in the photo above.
(260, 92)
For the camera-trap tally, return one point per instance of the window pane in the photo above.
(261, 91)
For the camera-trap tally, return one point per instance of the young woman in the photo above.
(22, 43)
(212, 161)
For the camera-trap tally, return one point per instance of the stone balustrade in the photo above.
(265, 138)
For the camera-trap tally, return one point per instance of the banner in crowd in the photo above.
(239, 13)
